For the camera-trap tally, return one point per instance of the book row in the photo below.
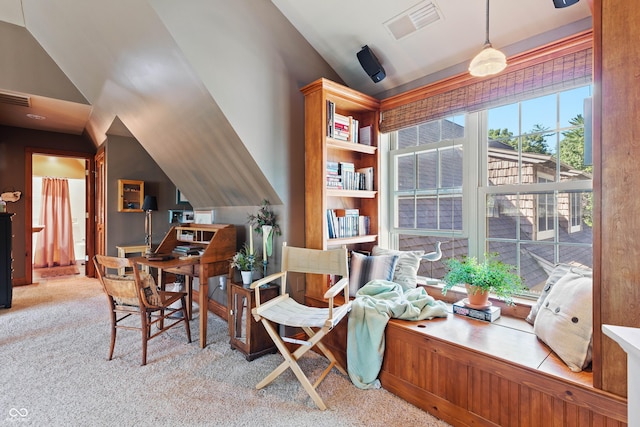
(342, 175)
(346, 223)
(346, 128)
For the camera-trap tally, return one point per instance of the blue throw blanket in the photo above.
(375, 303)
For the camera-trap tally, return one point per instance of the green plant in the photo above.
(264, 216)
(490, 275)
(244, 259)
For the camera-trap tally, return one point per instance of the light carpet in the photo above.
(54, 371)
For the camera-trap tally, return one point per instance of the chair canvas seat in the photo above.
(291, 313)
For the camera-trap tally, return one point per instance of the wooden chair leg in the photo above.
(113, 333)
(290, 361)
(146, 331)
(185, 318)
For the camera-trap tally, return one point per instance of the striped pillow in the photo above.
(365, 268)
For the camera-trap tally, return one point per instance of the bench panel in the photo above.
(471, 387)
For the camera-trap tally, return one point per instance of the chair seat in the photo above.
(291, 313)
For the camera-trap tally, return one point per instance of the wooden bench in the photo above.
(475, 373)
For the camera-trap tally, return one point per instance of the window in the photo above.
(528, 199)
(427, 162)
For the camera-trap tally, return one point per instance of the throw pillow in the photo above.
(557, 273)
(364, 269)
(406, 271)
(565, 320)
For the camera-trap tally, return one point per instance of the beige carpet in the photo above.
(54, 343)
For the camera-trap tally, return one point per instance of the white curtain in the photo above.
(54, 245)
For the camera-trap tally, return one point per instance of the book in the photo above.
(488, 314)
(366, 178)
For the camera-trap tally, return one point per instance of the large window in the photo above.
(528, 199)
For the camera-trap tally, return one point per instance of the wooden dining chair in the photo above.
(314, 321)
(137, 294)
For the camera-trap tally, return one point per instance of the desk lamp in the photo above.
(150, 204)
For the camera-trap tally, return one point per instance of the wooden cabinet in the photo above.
(322, 150)
(130, 195)
(6, 260)
(245, 334)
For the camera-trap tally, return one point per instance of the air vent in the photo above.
(411, 20)
(13, 99)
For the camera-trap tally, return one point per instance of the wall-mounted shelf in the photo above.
(130, 195)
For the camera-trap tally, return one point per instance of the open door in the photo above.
(87, 217)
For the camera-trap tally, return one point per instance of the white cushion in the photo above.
(406, 271)
(557, 273)
(565, 320)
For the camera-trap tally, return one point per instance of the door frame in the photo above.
(89, 206)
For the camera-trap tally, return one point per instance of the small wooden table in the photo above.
(245, 334)
(124, 250)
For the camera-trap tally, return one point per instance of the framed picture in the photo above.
(203, 217)
(180, 199)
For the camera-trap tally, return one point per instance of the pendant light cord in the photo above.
(487, 42)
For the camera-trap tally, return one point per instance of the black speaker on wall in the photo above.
(559, 4)
(370, 64)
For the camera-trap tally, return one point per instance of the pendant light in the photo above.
(489, 61)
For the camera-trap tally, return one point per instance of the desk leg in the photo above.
(204, 305)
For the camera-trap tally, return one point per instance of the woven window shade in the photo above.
(560, 73)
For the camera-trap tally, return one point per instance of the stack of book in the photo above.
(339, 126)
(183, 250)
(333, 175)
(488, 314)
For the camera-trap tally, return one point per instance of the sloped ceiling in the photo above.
(124, 60)
(210, 88)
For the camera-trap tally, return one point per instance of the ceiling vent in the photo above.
(411, 20)
(13, 99)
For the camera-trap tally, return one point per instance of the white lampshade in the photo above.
(489, 61)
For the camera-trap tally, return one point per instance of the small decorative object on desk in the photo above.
(264, 223)
(488, 313)
(244, 260)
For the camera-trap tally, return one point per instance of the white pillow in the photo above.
(565, 320)
(557, 273)
(406, 271)
(364, 269)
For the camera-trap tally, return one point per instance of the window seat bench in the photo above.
(471, 372)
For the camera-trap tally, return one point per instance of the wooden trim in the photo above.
(549, 51)
(596, 10)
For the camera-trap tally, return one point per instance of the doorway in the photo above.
(72, 171)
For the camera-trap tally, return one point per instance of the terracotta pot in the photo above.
(476, 296)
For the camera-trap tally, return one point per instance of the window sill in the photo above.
(520, 310)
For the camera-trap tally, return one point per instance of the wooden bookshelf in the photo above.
(320, 149)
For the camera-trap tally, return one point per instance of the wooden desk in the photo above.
(218, 245)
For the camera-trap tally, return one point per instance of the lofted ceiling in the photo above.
(115, 55)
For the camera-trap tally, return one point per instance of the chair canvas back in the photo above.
(315, 261)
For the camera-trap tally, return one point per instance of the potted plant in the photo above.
(244, 260)
(483, 278)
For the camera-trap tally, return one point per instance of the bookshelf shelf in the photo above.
(350, 146)
(364, 194)
(351, 240)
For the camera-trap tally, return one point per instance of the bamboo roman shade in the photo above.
(530, 80)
